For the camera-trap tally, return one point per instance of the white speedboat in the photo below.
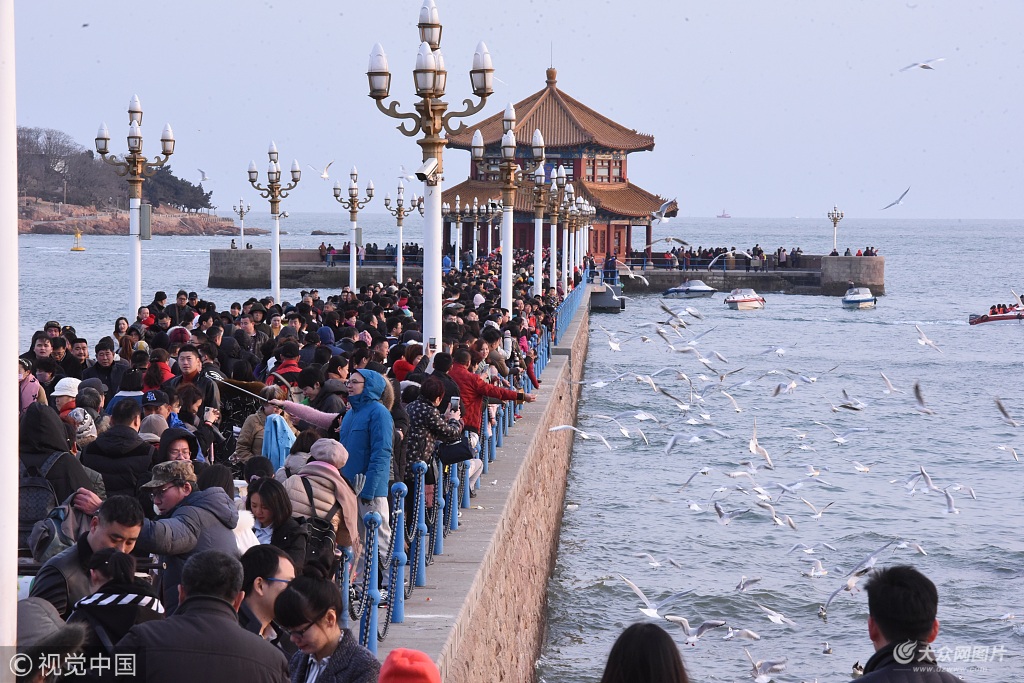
(859, 297)
(744, 300)
(691, 289)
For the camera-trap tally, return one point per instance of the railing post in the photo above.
(481, 444)
(439, 523)
(398, 557)
(420, 470)
(499, 416)
(345, 569)
(368, 622)
(464, 474)
(453, 523)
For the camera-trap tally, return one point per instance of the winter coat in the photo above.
(111, 376)
(165, 375)
(40, 435)
(402, 368)
(350, 663)
(426, 429)
(450, 387)
(331, 397)
(277, 440)
(366, 433)
(205, 520)
(211, 394)
(64, 580)
(328, 487)
(30, 391)
(292, 464)
(883, 668)
(250, 438)
(291, 537)
(111, 611)
(472, 390)
(203, 642)
(121, 456)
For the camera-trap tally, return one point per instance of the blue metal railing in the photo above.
(566, 311)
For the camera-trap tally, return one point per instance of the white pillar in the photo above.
(9, 342)
(134, 255)
(565, 255)
(432, 240)
(572, 254)
(476, 241)
(538, 256)
(507, 262)
(553, 255)
(398, 256)
(353, 255)
(275, 260)
(490, 238)
(458, 246)
(241, 234)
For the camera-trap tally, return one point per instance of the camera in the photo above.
(428, 169)
(455, 403)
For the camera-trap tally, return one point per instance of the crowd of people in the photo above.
(312, 410)
(330, 255)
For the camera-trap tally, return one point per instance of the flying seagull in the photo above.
(898, 201)
(650, 609)
(323, 173)
(927, 64)
(664, 212)
(203, 174)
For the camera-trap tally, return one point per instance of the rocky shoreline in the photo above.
(48, 219)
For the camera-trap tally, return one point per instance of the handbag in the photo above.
(455, 451)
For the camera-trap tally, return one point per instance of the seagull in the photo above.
(927, 64)
(950, 507)
(925, 341)
(827, 650)
(402, 174)
(869, 561)
(762, 670)
(725, 517)
(735, 405)
(758, 449)
(746, 583)
(650, 559)
(817, 513)
(670, 240)
(692, 636)
(1013, 451)
(841, 438)
(809, 549)
(775, 617)
(1006, 414)
(601, 383)
(742, 633)
(898, 201)
(703, 470)
(816, 570)
(922, 407)
(323, 173)
(661, 215)
(860, 467)
(203, 174)
(693, 438)
(651, 609)
(889, 388)
(850, 586)
(583, 434)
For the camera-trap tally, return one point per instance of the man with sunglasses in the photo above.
(190, 522)
(267, 571)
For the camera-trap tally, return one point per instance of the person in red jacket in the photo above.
(472, 389)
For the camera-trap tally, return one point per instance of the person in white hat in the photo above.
(64, 395)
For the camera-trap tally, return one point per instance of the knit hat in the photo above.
(85, 426)
(152, 428)
(408, 666)
(329, 451)
(68, 386)
(179, 335)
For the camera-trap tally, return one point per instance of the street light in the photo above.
(275, 193)
(353, 204)
(511, 175)
(556, 197)
(835, 215)
(432, 119)
(242, 209)
(400, 212)
(137, 168)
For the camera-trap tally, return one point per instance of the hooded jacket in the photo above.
(331, 397)
(328, 487)
(472, 390)
(121, 456)
(112, 610)
(204, 520)
(40, 435)
(366, 432)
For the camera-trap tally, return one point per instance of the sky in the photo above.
(774, 109)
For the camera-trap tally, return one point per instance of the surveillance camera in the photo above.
(428, 169)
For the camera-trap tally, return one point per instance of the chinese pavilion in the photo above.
(593, 150)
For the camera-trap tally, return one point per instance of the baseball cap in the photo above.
(68, 386)
(171, 472)
(155, 398)
(51, 323)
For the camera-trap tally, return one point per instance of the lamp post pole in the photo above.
(399, 212)
(555, 197)
(353, 204)
(540, 202)
(495, 212)
(275, 193)
(241, 210)
(835, 215)
(454, 217)
(432, 119)
(478, 212)
(137, 168)
(567, 203)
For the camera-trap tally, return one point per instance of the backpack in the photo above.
(295, 394)
(57, 531)
(36, 497)
(322, 539)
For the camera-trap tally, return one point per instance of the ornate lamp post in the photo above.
(556, 195)
(474, 214)
(242, 209)
(399, 212)
(568, 202)
(137, 168)
(353, 204)
(275, 193)
(835, 215)
(511, 176)
(432, 118)
(540, 203)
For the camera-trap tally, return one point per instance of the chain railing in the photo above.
(566, 311)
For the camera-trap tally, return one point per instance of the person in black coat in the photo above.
(272, 509)
(202, 641)
(107, 368)
(119, 454)
(40, 435)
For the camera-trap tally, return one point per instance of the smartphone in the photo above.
(433, 343)
(455, 403)
(209, 415)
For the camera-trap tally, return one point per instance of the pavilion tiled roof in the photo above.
(612, 200)
(563, 121)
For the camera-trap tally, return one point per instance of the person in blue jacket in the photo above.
(366, 432)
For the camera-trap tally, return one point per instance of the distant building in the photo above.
(593, 149)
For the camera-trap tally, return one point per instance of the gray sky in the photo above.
(762, 108)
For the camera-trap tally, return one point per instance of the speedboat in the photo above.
(691, 289)
(1014, 315)
(859, 297)
(744, 300)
